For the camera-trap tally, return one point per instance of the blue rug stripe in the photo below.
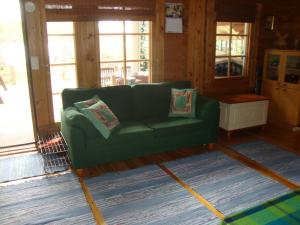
(146, 196)
(21, 166)
(53, 200)
(283, 162)
(226, 183)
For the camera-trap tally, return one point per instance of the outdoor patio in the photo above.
(15, 115)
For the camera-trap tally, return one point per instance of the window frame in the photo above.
(123, 34)
(248, 37)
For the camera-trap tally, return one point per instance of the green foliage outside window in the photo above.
(143, 65)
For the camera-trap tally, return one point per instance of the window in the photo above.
(232, 40)
(62, 61)
(124, 52)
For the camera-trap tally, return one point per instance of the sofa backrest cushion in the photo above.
(177, 84)
(139, 102)
(152, 101)
(118, 98)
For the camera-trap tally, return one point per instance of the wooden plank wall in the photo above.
(40, 83)
(86, 42)
(196, 52)
(86, 38)
(187, 56)
(244, 84)
(201, 50)
(287, 21)
(175, 49)
(158, 43)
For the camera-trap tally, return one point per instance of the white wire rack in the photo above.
(54, 151)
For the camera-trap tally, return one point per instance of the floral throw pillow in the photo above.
(102, 118)
(87, 103)
(183, 103)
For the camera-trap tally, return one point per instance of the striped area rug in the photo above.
(53, 200)
(226, 183)
(16, 167)
(275, 158)
(21, 166)
(146, 196)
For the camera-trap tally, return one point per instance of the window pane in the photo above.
(238, 45)
(139, 72)
(61, 49)
(137, 47)
(63, 77)
(222, 46)
(240, 28)
(231, 48)
(111, 48)
(112, 74)
(223, 27)
(272, 70)
(136, 26)
(292, 70)
(127, 64)
(110, 27)
(237, 65)
(57, 105)
(221, 67)
(60, 28)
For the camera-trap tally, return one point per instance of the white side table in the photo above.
(242, 111)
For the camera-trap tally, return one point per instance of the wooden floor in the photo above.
(285, 138)
(142, 161)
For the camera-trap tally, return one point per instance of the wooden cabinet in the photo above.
(281, 83)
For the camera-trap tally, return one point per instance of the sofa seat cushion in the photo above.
(126, 133)
(174, 126)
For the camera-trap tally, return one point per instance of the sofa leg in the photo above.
(210, 146)
(80, 172)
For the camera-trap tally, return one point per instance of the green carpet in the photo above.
(284, 210)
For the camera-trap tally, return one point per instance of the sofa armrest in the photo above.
(208, 110)
(76, 129)
(71, 117)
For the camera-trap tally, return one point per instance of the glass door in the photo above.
(272, 67)
(292, 70)
(16, 127)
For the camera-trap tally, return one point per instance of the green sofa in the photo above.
(145, 126)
